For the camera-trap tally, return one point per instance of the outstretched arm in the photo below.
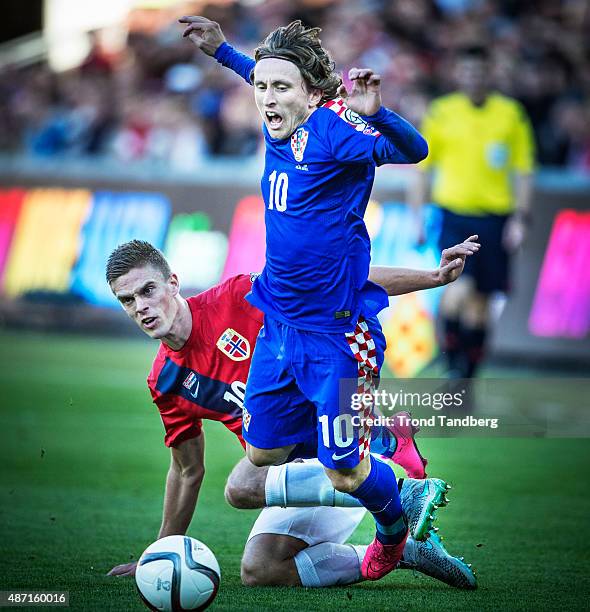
(208, 36)
(183, 483)
(397, 281)
(401, 142)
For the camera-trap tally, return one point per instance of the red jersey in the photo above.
(206, 378)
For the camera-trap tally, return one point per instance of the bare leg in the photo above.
(269, 559)
(245, 486)
(303, 546)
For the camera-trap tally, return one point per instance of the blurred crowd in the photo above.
(159, 99)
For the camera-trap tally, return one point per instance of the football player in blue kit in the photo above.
(320, 327)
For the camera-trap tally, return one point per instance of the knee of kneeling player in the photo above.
(276, 573)
(250, 574)
(256, 574)
(237, 497)
(268, 560)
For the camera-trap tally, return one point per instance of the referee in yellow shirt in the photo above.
(482, 157)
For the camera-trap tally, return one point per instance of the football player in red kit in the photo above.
(206, 378)
(200, 372)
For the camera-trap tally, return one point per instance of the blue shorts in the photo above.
(489, 268)
(300, 388)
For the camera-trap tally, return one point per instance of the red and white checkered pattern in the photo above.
(352, 118)
(363, 348)
(337, 105)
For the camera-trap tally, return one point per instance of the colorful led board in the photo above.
(561, 307)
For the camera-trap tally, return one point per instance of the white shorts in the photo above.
(312, 525)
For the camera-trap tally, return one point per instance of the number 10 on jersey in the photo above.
(277, 197)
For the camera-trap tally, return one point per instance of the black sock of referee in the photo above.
(474, 340)
(451, 344)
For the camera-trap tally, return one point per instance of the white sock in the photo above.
(301, 485)
(328, 564)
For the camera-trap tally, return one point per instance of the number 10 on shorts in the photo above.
(340, 430)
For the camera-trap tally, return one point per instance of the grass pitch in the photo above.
(82, 467)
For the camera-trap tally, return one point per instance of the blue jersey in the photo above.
(316, 186)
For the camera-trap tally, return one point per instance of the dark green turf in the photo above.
(82, 467)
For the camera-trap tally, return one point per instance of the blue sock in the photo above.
(379, 495)
(383, 442)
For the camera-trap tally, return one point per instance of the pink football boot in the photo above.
(380, 559)
(406, 453)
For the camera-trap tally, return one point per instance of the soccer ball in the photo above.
(177, 573)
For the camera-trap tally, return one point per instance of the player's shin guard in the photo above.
(329, 564)
(379, 495)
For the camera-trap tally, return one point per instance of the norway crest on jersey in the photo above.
(298, 143)
(234, 345)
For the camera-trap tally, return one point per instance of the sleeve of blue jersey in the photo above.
(241, 64)
(401, 142)
(398, 143)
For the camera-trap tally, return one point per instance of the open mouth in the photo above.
(274, 120)
(149, 322)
